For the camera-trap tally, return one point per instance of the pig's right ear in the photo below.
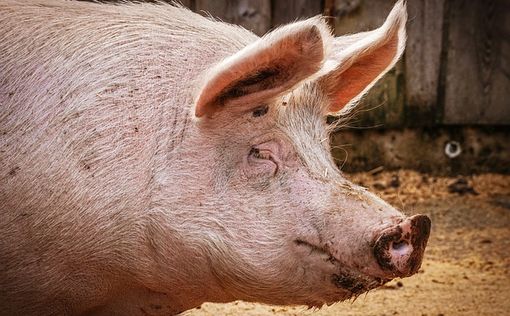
(264, 69)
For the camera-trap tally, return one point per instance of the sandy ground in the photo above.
(466, 270)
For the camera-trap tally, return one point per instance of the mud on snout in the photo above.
(397, 251)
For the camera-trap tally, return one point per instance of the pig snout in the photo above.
(399, 249)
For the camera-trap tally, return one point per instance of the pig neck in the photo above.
(178, 144)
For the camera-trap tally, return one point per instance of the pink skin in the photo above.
(168, 160)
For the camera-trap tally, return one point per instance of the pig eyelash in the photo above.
(260, 111)
(261, 154)
(256, 153)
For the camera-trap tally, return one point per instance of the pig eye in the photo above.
(261, 160)
(256, 153)
(260, 111)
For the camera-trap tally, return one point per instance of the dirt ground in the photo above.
(466, 270)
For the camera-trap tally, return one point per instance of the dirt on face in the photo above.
(466, 269)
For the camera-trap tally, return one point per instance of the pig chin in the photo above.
(339, 281)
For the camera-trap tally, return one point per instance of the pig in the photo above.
(152, 159)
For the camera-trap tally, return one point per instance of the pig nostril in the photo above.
(399, 245)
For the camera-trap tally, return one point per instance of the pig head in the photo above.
(231, 193)
(274, 216)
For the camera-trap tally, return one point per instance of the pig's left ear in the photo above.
(362, 59)
(265, 69)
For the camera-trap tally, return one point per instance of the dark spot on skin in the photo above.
(10, 94)
(343, 281)
(23, 215)
(348, 283)
(136, 129)
(155, 306)
(143, 311)
(358, 288)
(14, 171)
(86, 167)
(332, 260)
(260, 111)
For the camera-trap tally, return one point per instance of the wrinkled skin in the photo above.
(171, 168)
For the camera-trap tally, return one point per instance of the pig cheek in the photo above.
(309, 193)
(307, 206)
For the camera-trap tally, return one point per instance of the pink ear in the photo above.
(264, 69)
(365, 60)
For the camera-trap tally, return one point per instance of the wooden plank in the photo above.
(254, 15)
(477, 85)
(383, 105)
(423, 59)
(354, 16)
(285, 11)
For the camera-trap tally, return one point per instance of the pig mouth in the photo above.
(352, 281)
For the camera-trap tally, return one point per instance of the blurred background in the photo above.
(431, 137)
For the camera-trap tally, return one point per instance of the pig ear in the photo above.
(362, 59)
(264, 69)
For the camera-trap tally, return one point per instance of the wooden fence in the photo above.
(456, 69)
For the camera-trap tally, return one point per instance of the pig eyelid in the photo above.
(260, 111)
(257, 153)
(262, 154)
